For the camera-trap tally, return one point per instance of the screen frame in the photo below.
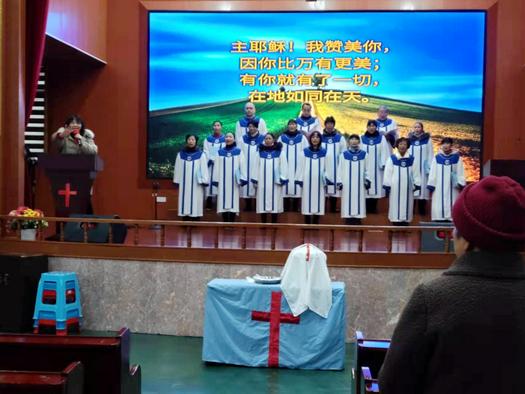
(145, 180)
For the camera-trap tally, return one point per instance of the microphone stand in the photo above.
(154, 193)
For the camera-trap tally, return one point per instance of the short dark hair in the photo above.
(447, 140)
(292, 121)
(310, 105)
(77, 119)
(354, 136)
(217, 121)
(192, 135)
(254, 122)
(402, 139)
(371, 122)
(317, 133)
(329, 119)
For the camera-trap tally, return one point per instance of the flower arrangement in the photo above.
(27, 218)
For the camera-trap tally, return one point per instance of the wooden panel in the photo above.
(224, 256)
(81, 24)
(13, 120)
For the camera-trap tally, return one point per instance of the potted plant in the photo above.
(28, 221)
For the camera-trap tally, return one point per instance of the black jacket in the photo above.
(463, 332)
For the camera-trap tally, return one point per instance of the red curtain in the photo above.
(36, 19)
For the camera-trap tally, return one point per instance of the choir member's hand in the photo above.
(387, 190)
(368, 184)
(417, 188)
(339, 186)
(299, 183)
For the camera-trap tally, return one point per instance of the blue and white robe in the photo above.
(352, 174)
(293, 149)
(211, 147)
(388, 128)
(401, 178)
(312, 175)
(446, 179)
(334, 146)
(241, 127)
(423, 152)
(229, 164)
(270, 175)
(191, 175)
(307, 126)
(250, 148)
(378, 153)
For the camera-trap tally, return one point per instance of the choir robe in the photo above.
(229, 164)
(250, 147)
(307, 126)
(191, 175)
(241, 127)
(211, 147)
(378, 152)
(270, 175)
(352, 175)
(334, 144)
(312, 176)
(401, 179)
(293, 148)
(446, 179)
(388, 128)
(423, 152)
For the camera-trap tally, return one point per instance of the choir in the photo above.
(308, 165)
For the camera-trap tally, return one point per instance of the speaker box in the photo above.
(97, 232)
(19, 276)
(434, 241)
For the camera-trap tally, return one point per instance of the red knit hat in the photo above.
(490, 214)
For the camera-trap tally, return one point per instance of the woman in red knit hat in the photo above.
(464, 332)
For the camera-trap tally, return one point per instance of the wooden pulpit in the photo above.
(71, 179)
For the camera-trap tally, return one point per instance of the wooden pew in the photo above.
(368, 384)
(68, 381)
(105, 359)
(369, 353)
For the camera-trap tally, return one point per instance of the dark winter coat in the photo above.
(463, 332)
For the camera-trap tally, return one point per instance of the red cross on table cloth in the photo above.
(275, 317)
(67, 193)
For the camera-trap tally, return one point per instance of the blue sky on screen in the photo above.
(435, 58)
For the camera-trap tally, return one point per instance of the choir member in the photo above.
(191, 177)
(307, 123)
(446, 180)
(378, 152)
(334, 144)
(294, 144)
(249, 144)
(270, 175)
(74, 139)
(352, 180)
(212, 144)
(387, 126)
(400, 182)
(229, 165)
(241, 127)
(423, 152)
(312, 179)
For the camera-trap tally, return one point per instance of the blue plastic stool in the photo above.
(57, 302)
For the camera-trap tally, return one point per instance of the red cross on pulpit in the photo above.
(275, 317)
(67, 193)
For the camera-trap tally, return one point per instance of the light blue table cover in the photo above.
(232, 337)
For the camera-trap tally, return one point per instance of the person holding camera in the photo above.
(74, 138)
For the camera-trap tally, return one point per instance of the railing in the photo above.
(189, 227)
